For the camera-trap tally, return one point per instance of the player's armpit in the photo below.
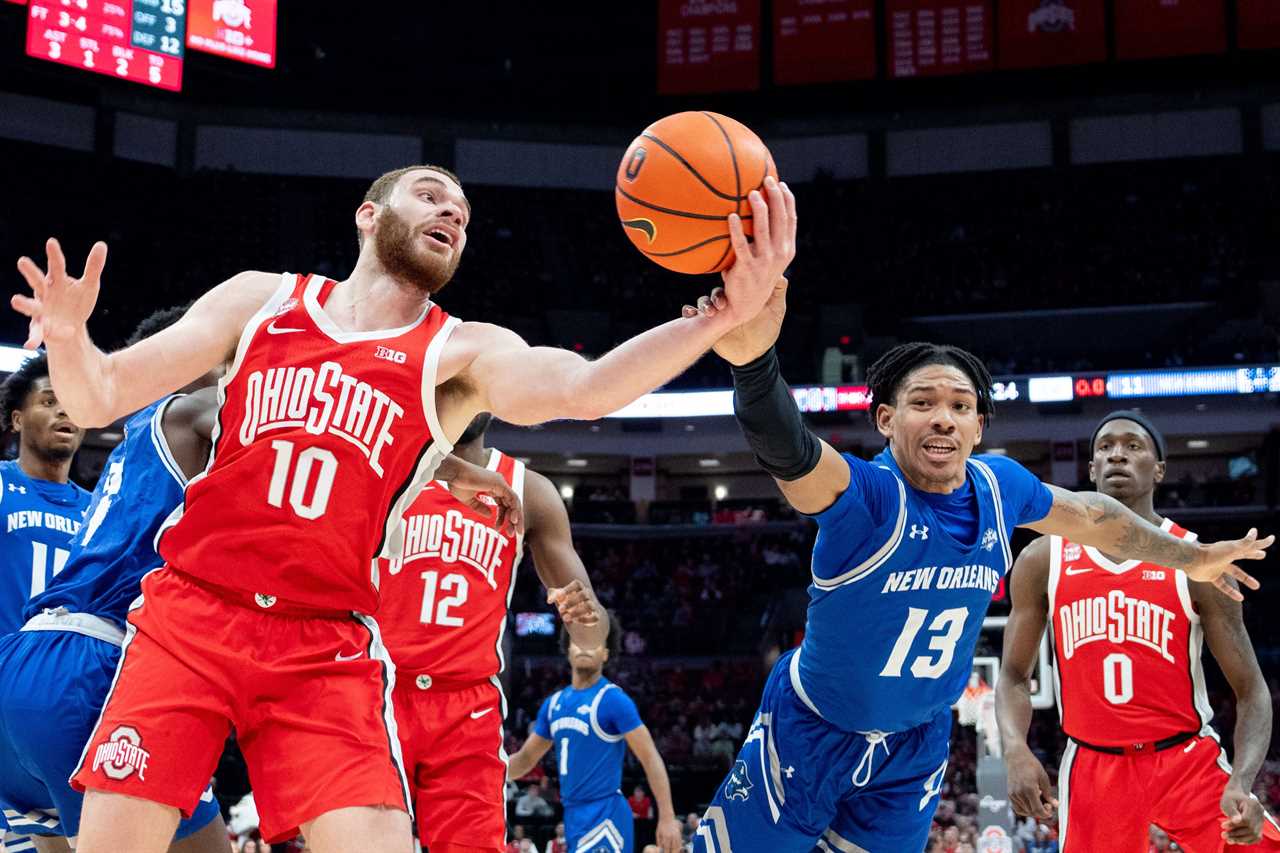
(821, 487)
(168, 360)
(519, 765)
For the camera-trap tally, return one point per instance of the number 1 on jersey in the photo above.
(564, 756)
(40, 565)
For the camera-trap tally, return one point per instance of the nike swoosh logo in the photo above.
(275, 330)
(1078, 571)
(475, 715)
(644, 226)
(340, 657)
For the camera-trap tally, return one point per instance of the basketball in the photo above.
(679, 181)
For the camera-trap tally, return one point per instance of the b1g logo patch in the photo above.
(122, 755)
(286, 306)
(1071, 552)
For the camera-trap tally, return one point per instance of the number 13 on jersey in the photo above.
(945, 630)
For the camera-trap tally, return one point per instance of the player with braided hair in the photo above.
(849, 749)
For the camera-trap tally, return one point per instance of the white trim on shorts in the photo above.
(377, 651)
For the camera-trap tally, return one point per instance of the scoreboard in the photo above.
(138, 40)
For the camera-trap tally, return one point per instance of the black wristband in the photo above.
(767, 413)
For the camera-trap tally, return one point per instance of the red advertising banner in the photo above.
(708, 46)
(1259, 24)
(823, 41)
(1035, 33)
(930, 37)
(237, 29)
(1152, 28)
(106, 37)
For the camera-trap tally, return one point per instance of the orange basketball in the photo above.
(679, 181)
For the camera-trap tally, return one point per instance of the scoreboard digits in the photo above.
(138, 40)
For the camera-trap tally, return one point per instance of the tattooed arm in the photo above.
(1095, 519)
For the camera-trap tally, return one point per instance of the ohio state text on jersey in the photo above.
(1126, 641)
(444, 603)
(323, 438)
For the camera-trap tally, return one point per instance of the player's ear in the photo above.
(15, 420)
(884, 419)
(1093, 471)
(982, 424)
(366, 213)
(1159, 472)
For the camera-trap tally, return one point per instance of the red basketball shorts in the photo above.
(1107, 802)
(451, 738)
(309, 695)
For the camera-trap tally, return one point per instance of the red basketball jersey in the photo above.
(445, 604)
(1126, 642)
(324, 436)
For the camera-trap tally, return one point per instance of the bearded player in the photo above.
(443, 616)
(341, 401)
(1127, 642)
(849, 748)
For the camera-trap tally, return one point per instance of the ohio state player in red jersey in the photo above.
(443, 617)
(1127, 641)
(342, 399)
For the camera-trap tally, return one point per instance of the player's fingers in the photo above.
(1227, 589)
(1243, 577)
(759, 221)
(738, 239)
(35, 334)
(57, 261)
(778, 229)
(789, 200)
(95, 262)
(718, 298)
(35, 277)
(25, 305)
(705, 307)
(687, 311)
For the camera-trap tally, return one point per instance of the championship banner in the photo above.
(933, 37)
(1035, 33)
(1259, 26)
(1146, 29)
(708, 46)
(823, 41)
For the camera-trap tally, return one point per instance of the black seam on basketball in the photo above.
(720, 260)
(683, 162)
(733, 157)
(684, 213)
(688, 248)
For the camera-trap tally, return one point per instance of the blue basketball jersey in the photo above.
(40, 520)
(139, 487)
(901, 582)
(588, 728)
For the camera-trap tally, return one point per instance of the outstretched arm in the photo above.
(1091, 518)
(1029, 790)
(558, 565)
(655, 771)
(519, 765)
(97, 388)
(1223, 623)
(528, 385)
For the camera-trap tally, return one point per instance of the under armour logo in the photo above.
(919, 530)
(22, 490)
(790, 771)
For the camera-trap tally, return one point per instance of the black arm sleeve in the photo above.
(767, 413)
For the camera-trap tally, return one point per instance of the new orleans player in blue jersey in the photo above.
(591, 723)
(42, 509)
(60, 666)
(849, 748)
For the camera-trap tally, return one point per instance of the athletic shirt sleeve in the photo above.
(1026, 499)
(542, 723)
(847, 530)
(618, 713)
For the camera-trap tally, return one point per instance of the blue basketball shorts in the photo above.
(55, 684)
(801, 784)
(599, 826)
